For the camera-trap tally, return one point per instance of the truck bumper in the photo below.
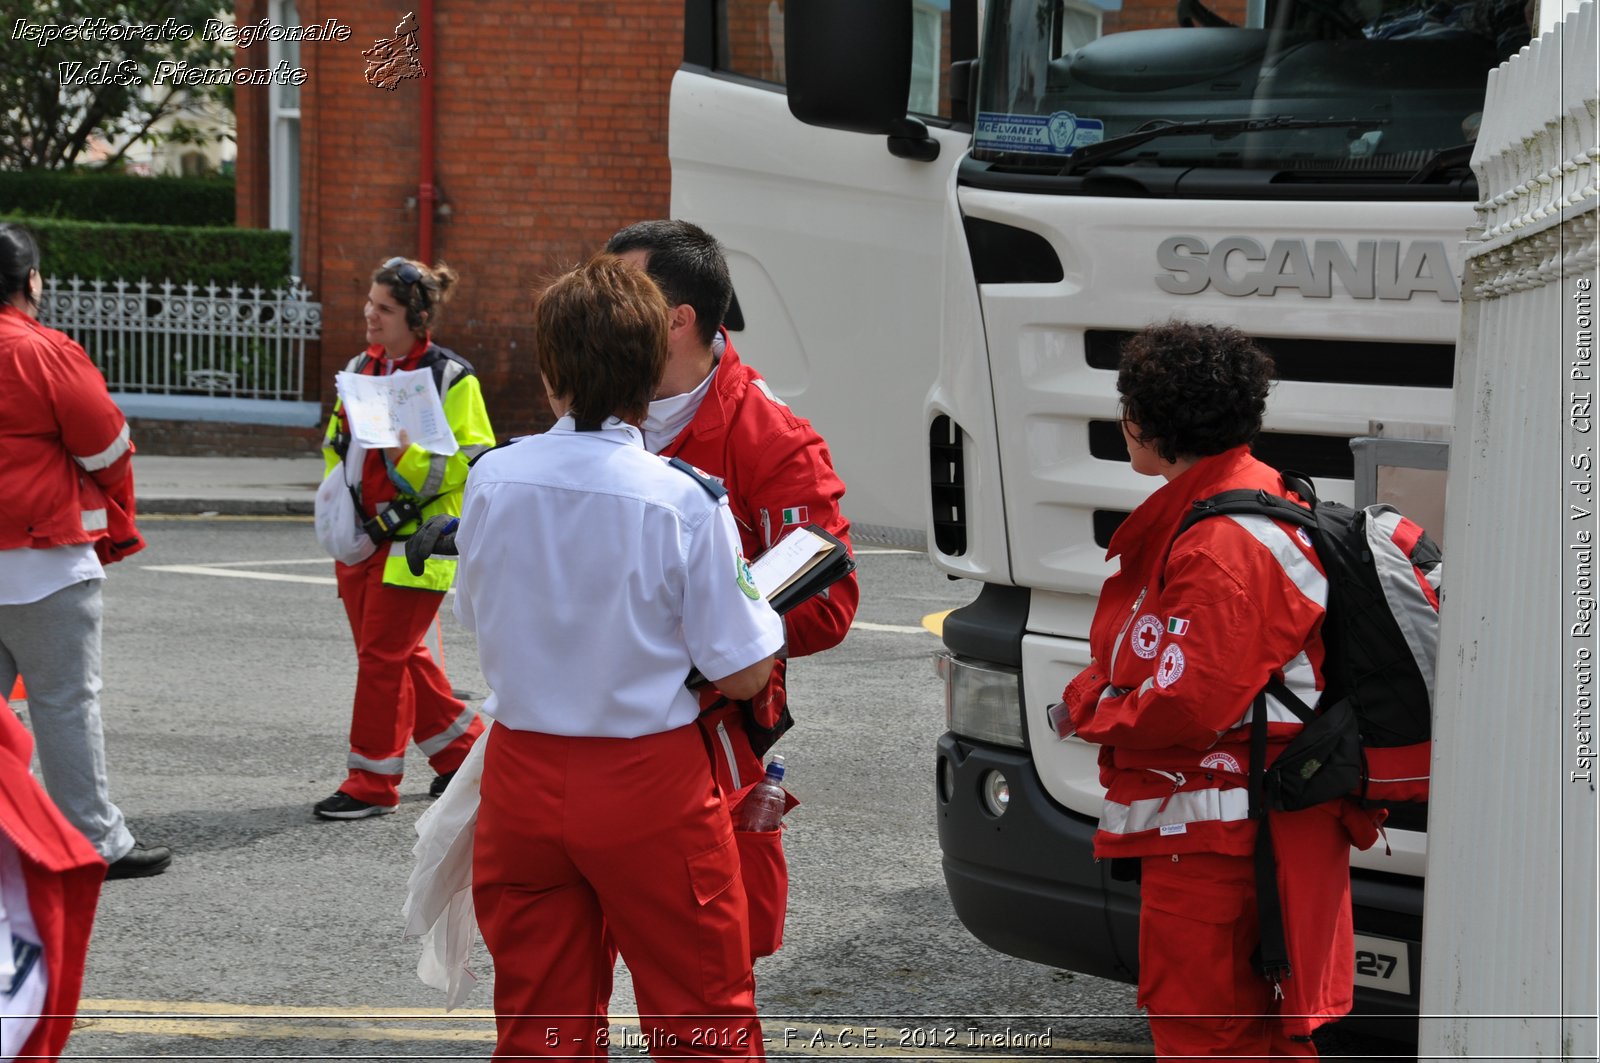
(1026, 884)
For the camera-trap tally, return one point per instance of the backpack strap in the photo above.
(1272, 958)
(1245, 502)
(1272, 954)
(1241, 502)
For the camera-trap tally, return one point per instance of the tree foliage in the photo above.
(107, 52)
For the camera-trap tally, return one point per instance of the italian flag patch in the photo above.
(794, 515)
(1177, 626)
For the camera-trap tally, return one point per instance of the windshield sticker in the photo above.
(1061, 133)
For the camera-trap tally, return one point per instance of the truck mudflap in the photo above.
(1025, 883)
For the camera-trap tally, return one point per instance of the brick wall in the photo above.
(252, 192)
(1159, 14)
(550, 134)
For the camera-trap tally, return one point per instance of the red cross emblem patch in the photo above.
(1146, 635)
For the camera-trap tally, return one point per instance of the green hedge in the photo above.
(118, 197)
(86, 249)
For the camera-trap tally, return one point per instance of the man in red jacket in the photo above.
(719, 415)
(716, 413)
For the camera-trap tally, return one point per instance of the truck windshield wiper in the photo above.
(1094, 153)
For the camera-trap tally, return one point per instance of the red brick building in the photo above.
(549, 132)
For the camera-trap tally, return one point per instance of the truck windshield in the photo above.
(1343, 88)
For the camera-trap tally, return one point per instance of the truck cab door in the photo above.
(834, 242)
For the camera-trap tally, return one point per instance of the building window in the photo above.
(283, 121)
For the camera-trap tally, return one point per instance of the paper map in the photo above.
(379, 407)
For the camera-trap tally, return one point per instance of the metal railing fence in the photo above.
(184, 339)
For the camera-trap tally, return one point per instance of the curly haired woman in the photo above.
(1185, 636)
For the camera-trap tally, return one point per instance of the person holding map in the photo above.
(402, 694)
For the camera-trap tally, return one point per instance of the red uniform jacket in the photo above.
(779, 476)
(66, 463)
(63, 873)
(1182, 642)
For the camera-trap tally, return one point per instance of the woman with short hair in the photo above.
(596, 577)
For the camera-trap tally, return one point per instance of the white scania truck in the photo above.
(937, 250)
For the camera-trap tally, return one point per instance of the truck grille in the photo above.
(948, 484)
(1416, 365)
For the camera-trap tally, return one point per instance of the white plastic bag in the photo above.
(339, 530)
(438, 906)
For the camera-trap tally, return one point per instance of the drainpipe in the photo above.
(426, 193)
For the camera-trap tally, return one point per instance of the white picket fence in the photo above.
(1509, 933)
(184, 339)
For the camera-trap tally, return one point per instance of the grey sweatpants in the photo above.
(55, 644)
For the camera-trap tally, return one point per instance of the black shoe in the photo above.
(440, 783)
(342, 806)
(141, 862)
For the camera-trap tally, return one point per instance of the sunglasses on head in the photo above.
(404, 271)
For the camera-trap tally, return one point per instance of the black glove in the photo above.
(436, 535)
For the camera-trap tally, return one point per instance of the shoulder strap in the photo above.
(1272, 954)
(1246, 502)
(489, 450)
(1258, 503)
(710, 486)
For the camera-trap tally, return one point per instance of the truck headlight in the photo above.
(996, 794)
(982, 701)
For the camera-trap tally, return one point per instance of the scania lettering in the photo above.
(1381, 269)
(938, 247)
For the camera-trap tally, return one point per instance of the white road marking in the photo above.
(233, 573)
(237, 570)
(250, 564)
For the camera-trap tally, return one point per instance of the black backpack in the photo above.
(1369, 735)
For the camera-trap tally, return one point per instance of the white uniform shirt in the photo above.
(595, 575)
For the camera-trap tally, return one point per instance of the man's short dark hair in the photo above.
(600, 337)
(687, 263)
(1193, 390)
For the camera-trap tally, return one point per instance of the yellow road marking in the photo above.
(218, 1021)
(934, 622)
(276, 1011)
(234, 1030)
(893, 629)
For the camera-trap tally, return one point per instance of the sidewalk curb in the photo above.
(225, 507)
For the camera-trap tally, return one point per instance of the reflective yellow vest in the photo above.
(431, 476)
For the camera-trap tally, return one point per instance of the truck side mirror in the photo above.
(848, 66)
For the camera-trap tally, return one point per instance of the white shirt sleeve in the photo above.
(473, 516)
(727, 625)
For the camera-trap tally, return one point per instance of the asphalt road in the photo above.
(228, 677)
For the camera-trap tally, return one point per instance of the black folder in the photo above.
(826, 564)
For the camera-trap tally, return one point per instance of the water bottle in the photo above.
(765, 804)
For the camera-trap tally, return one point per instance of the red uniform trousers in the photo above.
(578, 837)
(401, 694)
(1198, 929)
